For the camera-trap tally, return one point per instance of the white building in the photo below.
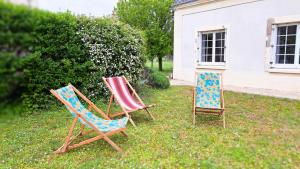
(255, 43)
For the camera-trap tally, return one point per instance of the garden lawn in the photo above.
(262, 132)
(167, 66)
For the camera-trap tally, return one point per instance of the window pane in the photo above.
(218, 58)
(291, 39)
(289, 59)
(204, 37)
(210, 36)
(279, 59)
(280, 50)
(209, 58)
(290, 49)
(209, 44)
(209, 51)
(218, 36)
(281, 30)
(281, 40)
(292, 29)
(218, 51)
(218, 43)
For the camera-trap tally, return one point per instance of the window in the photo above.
(287, 46)
(212, 48)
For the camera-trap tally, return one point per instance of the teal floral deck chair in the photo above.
(208, 95)
(103, 127)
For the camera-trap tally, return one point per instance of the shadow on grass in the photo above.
(209, 120)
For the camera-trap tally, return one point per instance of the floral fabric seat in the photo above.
(208, 90)
(103, 125)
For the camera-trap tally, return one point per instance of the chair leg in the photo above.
(114, 145)
(63, 148)
(81, 129)
(149, 113)
(194, 117)
(130, 119)
(224, 119)
(124, 133)
(110, 103)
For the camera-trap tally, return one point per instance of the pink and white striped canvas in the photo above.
(122, 94)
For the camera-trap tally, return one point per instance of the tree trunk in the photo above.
(152, 64)
(160, 66)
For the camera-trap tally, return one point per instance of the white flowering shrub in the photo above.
(115, 49)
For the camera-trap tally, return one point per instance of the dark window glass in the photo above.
(218, 58)
(292, 29)
(280, 59)
(289, 59)
(280, 50)
(210, 36)
(281, 40)
(290, 49)
(282, 30)
(291, 39)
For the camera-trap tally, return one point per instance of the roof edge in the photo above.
(193, 3)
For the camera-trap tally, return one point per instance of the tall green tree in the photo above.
(155, 18)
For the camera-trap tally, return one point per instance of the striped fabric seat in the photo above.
(122, 94)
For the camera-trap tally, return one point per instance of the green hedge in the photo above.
(158, 79)
(42, 50)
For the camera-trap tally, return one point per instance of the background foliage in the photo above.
(42, 50)
(155, 18)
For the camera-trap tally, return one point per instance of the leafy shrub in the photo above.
(10, 76)
(158, 80)
(42, 50)
(114, 48)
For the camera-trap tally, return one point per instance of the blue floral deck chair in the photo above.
(208, 95)
(103, 127)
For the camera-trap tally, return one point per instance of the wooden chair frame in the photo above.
(212, 111)
(101, 135)
(124, 111)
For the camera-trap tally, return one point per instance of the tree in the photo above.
(155, 18)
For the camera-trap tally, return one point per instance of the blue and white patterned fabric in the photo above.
(103, 125)
(208, 90)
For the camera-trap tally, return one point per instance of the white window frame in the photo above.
(199, 47)
(273, 64)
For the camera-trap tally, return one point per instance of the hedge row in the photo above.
(42, 50)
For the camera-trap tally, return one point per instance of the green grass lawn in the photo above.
(167, 66)
(262, 132)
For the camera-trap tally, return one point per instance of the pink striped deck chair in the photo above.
(125, 96)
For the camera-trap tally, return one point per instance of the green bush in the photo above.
(42, 50)
(159, 80)
(114, 48)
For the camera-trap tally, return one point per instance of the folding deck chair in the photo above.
(103, 127)
(208, 97)
(118, 87)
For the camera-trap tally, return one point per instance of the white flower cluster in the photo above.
(115, 50)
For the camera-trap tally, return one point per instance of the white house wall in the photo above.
(246, 22)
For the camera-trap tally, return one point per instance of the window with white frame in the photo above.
(286, 46)
(211, 47)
